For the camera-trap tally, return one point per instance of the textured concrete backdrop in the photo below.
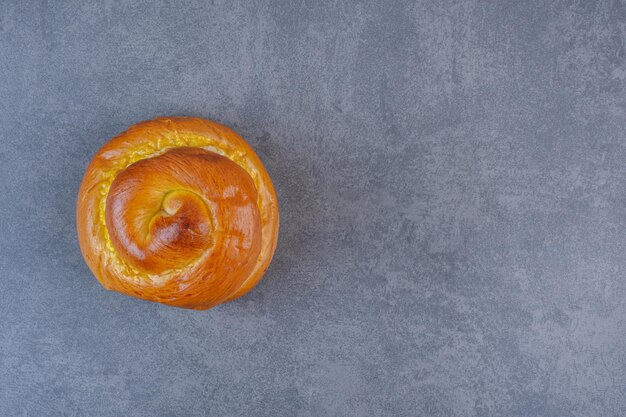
(452, 179)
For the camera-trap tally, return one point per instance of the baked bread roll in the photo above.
(178, 211)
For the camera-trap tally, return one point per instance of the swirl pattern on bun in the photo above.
(179, 211)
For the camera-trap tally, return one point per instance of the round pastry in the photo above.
(178, 210)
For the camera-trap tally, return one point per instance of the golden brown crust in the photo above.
(179, 211)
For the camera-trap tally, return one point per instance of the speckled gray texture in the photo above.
(452, 179)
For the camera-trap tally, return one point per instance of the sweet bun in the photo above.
(179, 211)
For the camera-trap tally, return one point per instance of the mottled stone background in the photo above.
(452, 179)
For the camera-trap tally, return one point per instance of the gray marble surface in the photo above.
(452, 180)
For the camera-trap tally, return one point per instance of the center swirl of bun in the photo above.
(188, 210)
